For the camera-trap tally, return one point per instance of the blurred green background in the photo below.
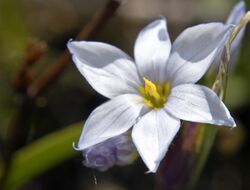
(45, 159)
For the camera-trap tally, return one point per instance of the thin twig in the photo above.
(63, 61)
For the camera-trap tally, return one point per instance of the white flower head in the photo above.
(156, 90)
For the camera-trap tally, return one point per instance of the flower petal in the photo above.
(152, 49)
(152, 136)
(110, 119)
(198, 104)
(235, 16)
(237, 13)
(194, 50)
(108, 70)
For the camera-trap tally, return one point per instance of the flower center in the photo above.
(155, 95)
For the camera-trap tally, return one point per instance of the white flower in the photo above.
(154, 92)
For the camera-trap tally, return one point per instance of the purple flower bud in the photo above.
(114, 151)
(124, 150)
(99, 156)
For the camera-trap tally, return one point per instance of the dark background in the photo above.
(70, 99)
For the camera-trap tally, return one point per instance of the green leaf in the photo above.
(208, 137)
(42, 155)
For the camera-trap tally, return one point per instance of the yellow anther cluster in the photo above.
(155, 95)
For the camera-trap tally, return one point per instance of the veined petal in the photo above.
(152, 49)
(108, 69)
(152, 136)
(198, 104)
(110, 119)
(194, 50)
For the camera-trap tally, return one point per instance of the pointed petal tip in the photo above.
(163, 18)
(81, 147)
(238, 7)
(229, 121)
(73, 45)
(70, 45)
(152, 169)
(233, 124)
(154, 23)
(241, 5)
(226, 122)
(237, 13)
(76, 147)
